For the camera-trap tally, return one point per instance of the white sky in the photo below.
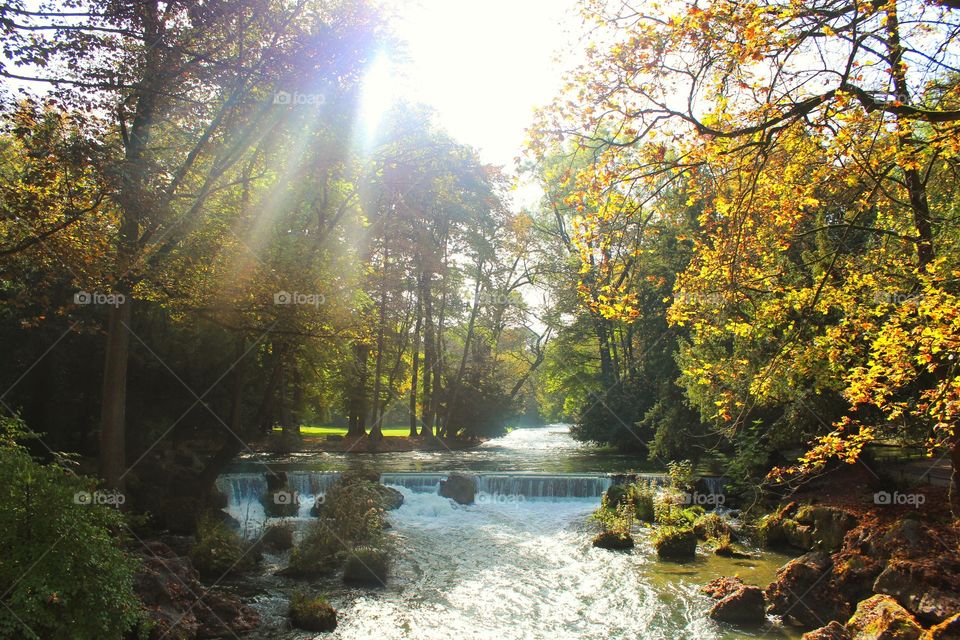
(484, 66)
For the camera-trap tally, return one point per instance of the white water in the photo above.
(517, 565)
(526, 570)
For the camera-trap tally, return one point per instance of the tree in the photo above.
(820, 141)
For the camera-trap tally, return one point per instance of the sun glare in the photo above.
(380, 91)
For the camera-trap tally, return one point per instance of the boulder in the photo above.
(808, 527)
(804, 591)
(459, 487)
(833, 631)
(179, 607)
(910, 584)
(721, 587)
(743, 606)
(882, 618)
(613, 540)
(390, 498)
(828, 525)
(675, 543)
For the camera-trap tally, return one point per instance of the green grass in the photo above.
(321, 431)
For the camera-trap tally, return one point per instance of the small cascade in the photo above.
(244, 492)
(416, 482)
(539, 486)
(525, 485)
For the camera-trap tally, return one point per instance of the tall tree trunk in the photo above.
(376, 430)
(131, 202)
(429, 362)
(358, 391)
(455, 388)
(916, 187)
(415, 364)
(114, 398)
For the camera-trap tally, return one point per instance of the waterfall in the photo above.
(540, 486)
(416, 482)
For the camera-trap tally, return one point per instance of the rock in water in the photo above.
(459, 487)
(882, 618)
(744, 606)
(613, 540)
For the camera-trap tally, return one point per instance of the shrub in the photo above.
(317, 554)
(354, 510)
(642, 496)
(619, 521)
(219, 549)
(63, 573)
(367, 566)
(681, 475)
(711, 526)
(312, 613)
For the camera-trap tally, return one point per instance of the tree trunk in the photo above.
(429, 362)
(376, 430)
(113, 439)
(414, 367)
(452, 400)
(916, 188)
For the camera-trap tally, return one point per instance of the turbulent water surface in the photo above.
(518, 564)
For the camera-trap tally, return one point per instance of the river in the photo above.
(518, 564)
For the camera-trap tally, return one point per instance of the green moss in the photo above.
(675, 543)
(312, 613)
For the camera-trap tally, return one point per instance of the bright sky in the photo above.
(485, 65)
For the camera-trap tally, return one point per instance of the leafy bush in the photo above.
(312, 613)
(681, 475)
(317, 554)
(669, 512)
(619, 520)
(219, 549)
(642, 495)
(63, 574)
(711, 526)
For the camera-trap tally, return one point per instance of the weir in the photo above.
(246, 488)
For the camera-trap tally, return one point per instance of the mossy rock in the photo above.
(390, 498)
(675, 543)
(367, 566)
(312, 613)
(613, 540)
(882, 618)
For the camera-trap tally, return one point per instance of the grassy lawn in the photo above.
(342, 431)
